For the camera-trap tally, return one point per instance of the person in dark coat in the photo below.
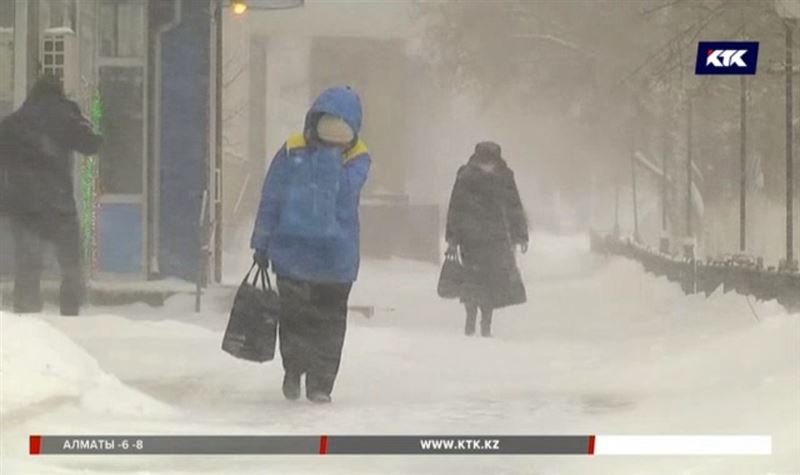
(36, 191)
(485, 221)
(308, 228)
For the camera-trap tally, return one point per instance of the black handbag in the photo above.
(253, 324)
(451, 278)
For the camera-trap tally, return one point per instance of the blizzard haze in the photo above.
(590, 101)
(601, 348)
(571, 90)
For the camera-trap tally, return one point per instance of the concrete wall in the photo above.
(325, 43)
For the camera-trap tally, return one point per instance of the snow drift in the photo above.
(601, 347)
(39, 365)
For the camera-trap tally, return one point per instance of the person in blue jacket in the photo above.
(307, 227)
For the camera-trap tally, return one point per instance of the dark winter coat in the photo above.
(485, 207)
(36, 145)
(486, 219)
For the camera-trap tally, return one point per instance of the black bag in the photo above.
(252, 328)
(451, 279)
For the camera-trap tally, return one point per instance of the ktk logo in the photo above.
(725, 57)
(728, 57)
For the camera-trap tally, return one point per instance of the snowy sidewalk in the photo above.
(601, 347)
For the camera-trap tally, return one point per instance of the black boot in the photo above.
(72, 295)
(472, 316)
(28, 255)
(318, 397)
(291, 385)
(27, 302)
(318, 388)
(28, 307)
(486, 322)
(27, 294)
(68, 251)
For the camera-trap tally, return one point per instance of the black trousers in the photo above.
(313, 322)
(30, 236)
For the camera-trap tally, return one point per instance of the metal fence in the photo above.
(736, 274)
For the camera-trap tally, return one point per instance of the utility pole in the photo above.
(616, 206)
(743, 153)
(663, 241)
(218, 151)
(637, 109)
(790, 24)
(666, 149)
(689, 230)
(635, 201)
(743, 164)
(664, 152)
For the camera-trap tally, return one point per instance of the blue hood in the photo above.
(342, 102)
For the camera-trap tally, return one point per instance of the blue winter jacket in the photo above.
(316, 259)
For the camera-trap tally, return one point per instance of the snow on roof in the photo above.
(59, 30)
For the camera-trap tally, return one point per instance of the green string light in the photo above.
(89, 192)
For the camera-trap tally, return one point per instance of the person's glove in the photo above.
(452, 251)
(260, 257)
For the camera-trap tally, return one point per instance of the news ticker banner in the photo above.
(401, 445)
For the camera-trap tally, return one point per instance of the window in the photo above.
(121, 59)
(7, 15)
(6, 58)
(122, 29)
(121, 163)
(53, 52)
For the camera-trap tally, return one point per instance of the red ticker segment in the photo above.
(35, 444)
(323, 445)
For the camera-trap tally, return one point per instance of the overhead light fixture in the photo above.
(239, 6)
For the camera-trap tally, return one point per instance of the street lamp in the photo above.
(239, 7)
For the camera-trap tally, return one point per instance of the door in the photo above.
(122, 215)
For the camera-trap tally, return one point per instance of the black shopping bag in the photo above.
(252, 328)
(451, 279)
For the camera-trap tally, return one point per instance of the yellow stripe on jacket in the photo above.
(298, 140)
(295, 141)
(358, 149)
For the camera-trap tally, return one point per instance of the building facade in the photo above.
(294, 55)
(143, 70)
(147, 71)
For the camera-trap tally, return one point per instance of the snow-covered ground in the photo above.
(600, 348)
